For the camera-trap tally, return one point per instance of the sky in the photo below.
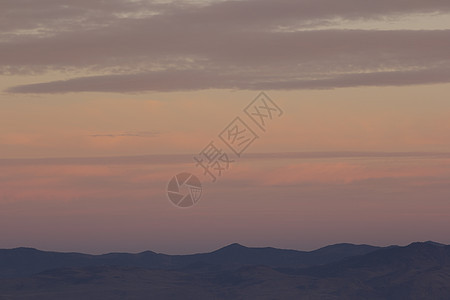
(103, 102)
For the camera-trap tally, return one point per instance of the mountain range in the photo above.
(341, 271)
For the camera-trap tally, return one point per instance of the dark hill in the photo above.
(417, 271)
(21, 262)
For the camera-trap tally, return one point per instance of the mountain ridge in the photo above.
(25, 261)
(419, 270)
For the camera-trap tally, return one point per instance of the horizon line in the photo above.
(227, 246)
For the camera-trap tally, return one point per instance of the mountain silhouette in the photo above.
(342, 271)
(27, 261)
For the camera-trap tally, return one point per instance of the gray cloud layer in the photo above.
(144, 46)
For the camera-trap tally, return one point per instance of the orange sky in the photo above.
(354, 119)
(95, 118)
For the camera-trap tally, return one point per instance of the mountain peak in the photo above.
(426, 244)
(29, 249)
(434, 243)
(233, 247)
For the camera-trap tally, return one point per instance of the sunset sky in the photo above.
(102, 102)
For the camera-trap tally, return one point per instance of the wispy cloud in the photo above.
(120, 201)
(187, 158)
(135, 46)
(127, 134)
